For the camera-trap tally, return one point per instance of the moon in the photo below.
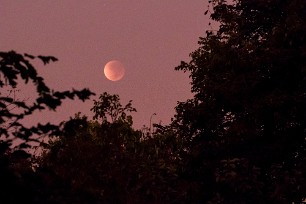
(114, 70)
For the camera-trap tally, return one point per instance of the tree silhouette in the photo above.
(16, 70)
(246, 125)
(109, 161)
(108, 107)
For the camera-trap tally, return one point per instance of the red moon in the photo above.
(114, 70)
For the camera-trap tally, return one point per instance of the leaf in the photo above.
(6, 99)
(29, 56)
(47, 59)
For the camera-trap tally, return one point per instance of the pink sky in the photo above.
(150, 37)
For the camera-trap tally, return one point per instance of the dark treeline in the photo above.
(241, 139)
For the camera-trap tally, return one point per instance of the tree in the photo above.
(246, 125)
(16, 70)
(92, 156)
(110, 162)
(109, 107)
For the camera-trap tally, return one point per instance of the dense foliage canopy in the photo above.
(247, 120)
(16, 69)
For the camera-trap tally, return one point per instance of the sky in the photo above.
(149, 37)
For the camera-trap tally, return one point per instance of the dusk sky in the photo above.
(149, 37)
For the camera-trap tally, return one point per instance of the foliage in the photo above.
(110, 162)
(241, 139)
(109, 106)
(17, 176)
(16, 69)
(247, 121)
